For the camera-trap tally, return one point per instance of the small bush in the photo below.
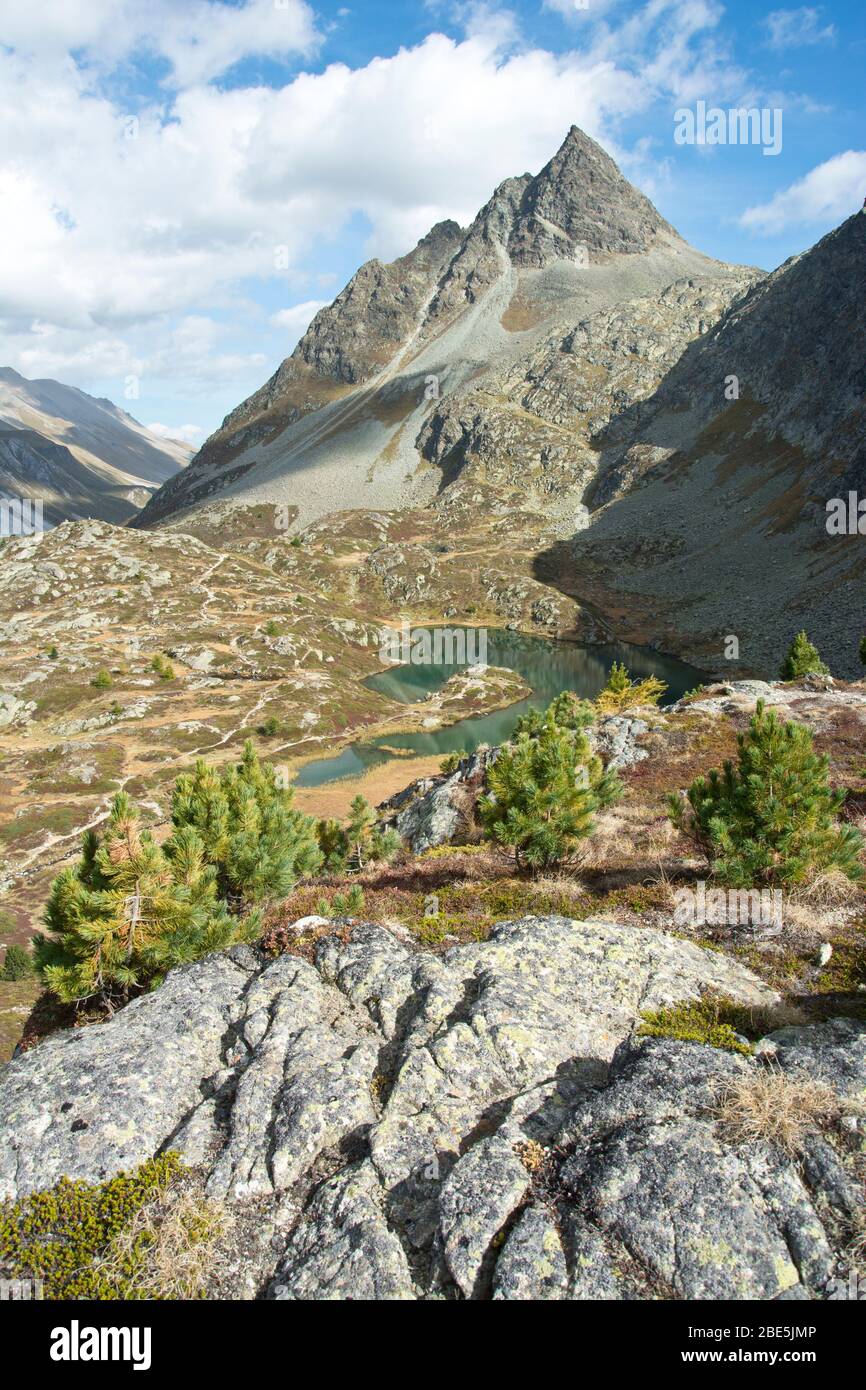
(772, 818)
(451, 762)
(270, 727)
(622, 693)
(163, 668)
(568, 711)
(802, 660)
(343, 904)
(360, 842)
(166, 1250)
(17, 965)
(272, 629)
(102, 680)
(52, 653)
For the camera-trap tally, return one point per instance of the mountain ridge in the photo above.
(544, 250)
(736, 490)
(79, 454)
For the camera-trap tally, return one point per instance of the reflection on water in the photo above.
(548, 667)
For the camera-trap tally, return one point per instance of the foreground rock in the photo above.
(483, 1124)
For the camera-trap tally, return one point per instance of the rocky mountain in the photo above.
(82, 456)
(710, 508)
(568, 356)
(365, 405)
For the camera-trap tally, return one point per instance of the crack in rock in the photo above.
(374, 1107)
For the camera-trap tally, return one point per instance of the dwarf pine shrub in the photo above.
(568, 711)
(259, 844)
(130, 911)
(542, 796)
(771, 818)
(622, 693)
(802, 660)
(17, 964)
(350, 847)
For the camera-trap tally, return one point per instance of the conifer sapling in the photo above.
(772, 817)
(542, 795)
(803, 659)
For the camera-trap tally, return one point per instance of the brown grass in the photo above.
(169, 1245)
(830, 889)
(775, 1108)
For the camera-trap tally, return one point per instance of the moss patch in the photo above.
(65, 1236)
(712, 1021)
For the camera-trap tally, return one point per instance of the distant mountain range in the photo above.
(82, 456)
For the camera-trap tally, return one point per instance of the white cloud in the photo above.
(199, 39)
(796, 28)
(188, 434)
(833, 190)
(110, 246)
(102, 233)
(676, 47)
(577, 9)
(295, 321)
(187, 352)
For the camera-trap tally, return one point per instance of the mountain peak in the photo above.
(582, 199)
(455, 307)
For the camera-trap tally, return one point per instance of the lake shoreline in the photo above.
(546, 666)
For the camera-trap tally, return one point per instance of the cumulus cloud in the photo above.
(294, 321)
(833, 190)
(120, 222)
(109, 223)
(797, 28)
(198, 40)
(187, 434)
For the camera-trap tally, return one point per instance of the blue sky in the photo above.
(182, 184)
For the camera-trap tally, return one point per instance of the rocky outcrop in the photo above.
(439, 810)
(768, 421)
(378, 310)
(481, 1124)
(663, 1202)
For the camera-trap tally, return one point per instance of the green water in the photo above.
(548, 667)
